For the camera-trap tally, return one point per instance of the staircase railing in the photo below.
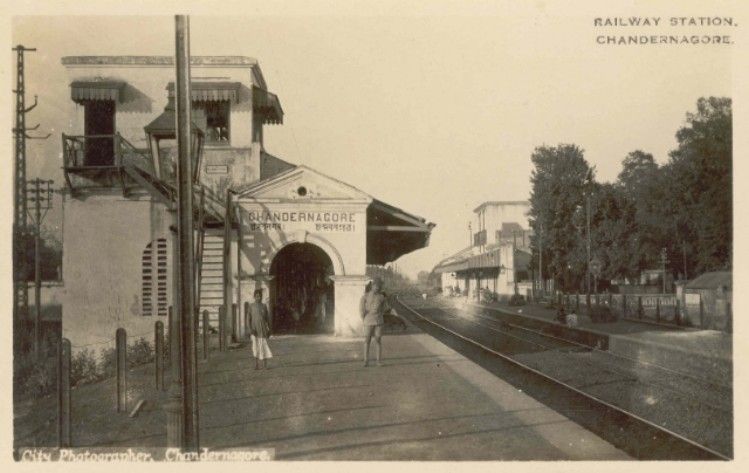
(199, 249)
(91, 161)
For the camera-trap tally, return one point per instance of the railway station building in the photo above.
(499, 257)
(301, 236)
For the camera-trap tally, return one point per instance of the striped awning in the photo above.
(82, 91)
(211, 91)
(267, 105)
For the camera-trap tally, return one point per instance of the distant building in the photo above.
(499, 258)
(707, 301)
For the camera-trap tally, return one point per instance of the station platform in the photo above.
(706, 354)
(318, 402)
(427, 402)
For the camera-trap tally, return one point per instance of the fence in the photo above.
(660, 308)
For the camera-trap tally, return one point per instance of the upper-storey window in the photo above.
(214, 116)
(98, 97)
(211, 107)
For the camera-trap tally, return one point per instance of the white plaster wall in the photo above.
(103, 243)
(497, 214)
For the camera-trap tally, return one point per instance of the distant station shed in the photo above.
(301, 236)
(708, 300)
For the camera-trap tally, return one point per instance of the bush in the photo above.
(107, 362)
(84, 368)
(517, 300)
(139, 353)
(35, 378)
(487, 295)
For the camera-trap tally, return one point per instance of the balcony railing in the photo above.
(100, 161)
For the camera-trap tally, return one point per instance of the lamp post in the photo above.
(174, 127)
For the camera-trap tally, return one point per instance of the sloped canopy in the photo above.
(487, 260)
(392, 233)
(82, 91)
(165, 125)
(267, 105)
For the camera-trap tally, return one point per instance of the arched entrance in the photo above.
(302, 296)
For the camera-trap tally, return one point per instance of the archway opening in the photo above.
(302, 295)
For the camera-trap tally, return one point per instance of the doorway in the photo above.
(302, 295)
(99, 130)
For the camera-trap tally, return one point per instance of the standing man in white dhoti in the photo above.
(260, 330)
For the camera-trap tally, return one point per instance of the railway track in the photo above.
(513, 356)
(700, 388)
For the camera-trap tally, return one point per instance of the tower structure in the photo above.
(20, 207)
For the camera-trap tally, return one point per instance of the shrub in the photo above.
(487, 295)
(35, 378)
(108, 362)
(139, 353)
(84, 368)
(517, 300)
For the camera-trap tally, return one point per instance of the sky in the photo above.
(432, 107)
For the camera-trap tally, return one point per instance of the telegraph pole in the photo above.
(587, 272)
(20, 207)
(540, 257)
(186, 286)
(41, 195)
(664, 260)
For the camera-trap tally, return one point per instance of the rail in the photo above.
(649, 430)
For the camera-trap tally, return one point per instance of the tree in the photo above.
(640, 184)
(557, 191)
(698, 188)
(50, 256)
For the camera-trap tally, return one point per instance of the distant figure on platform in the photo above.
(260, 330)
(373, 306)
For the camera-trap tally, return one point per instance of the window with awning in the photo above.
(98, 90)
(212, 108)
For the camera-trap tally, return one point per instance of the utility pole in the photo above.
(684, 257)
(186, 286)
(587, 272)
(514, 264)
(664, 260)
(540, 257)
(41, 195)
(20, 207)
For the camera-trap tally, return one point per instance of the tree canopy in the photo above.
(684, 206)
